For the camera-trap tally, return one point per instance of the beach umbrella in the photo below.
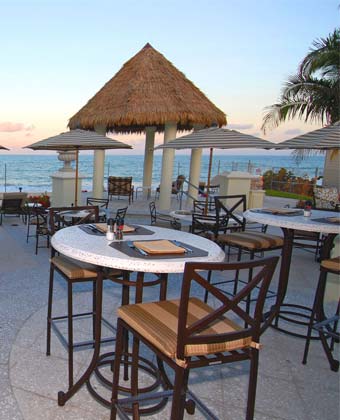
(78, 140)
(216, 138)
(324, 138)
(4, 148)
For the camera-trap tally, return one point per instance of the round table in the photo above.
(76, 243)
(317, 222)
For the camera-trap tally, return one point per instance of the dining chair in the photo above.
(73, 272)
(252, 242)
(325, 325)
(187, 334)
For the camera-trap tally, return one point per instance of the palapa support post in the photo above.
(208, 182)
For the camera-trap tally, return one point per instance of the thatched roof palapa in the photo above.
(147, 91)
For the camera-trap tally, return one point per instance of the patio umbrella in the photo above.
(216, 138)
(323, 138)
(78, 140)
(4, 148)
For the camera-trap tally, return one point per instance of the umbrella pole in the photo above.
(208, 182)
(76, 180)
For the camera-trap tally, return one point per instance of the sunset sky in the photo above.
(55, 55)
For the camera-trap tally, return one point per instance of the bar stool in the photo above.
(72, 272)
(326, 327)
(242, 239)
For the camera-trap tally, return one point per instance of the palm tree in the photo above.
(313, 94)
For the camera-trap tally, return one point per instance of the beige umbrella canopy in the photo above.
(78, 140)
(147, 91)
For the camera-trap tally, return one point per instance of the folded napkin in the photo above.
(333, 219)
(281, 211)
(161, 246)
(103, 228)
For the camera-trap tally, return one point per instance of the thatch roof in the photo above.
(147, 91)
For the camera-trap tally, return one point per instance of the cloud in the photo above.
(11, 127)
(293, 131)
(240, 126)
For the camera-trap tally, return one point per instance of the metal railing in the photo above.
(207, 195)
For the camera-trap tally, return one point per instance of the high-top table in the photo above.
(88, 247)
(317, 222)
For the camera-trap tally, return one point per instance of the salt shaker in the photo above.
(109, 233)
(308, 209)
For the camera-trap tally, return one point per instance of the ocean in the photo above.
(32, 172)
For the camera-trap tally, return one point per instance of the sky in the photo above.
(56, 54)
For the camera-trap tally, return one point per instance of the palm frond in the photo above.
(324, 57)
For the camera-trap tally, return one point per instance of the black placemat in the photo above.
(324, 220)
(123, 246)
(263, 211)
(139, 230)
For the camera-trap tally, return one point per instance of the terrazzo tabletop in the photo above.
(317, 222)
(76, 243)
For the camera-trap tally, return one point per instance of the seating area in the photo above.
(284, 387)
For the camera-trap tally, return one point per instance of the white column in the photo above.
(98, 168)
(148, 158)
(195, 172)
(167, 167)
(331, 172)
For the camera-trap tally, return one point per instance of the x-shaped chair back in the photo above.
(194, 332)
(57, 216)
(230, 208)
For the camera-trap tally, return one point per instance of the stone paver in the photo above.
(30, 381)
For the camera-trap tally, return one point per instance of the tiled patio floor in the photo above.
(30, 381)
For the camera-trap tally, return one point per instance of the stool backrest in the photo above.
(198, 331)
(58, 216)
(231, 208)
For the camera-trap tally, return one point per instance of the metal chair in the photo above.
(72, 271)
(252, 242)
(102, 203)
(187, 334)
(12, 204)
(162, 220)
(40, 218)
(326, 326)
(29, 218)
(121, 187)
